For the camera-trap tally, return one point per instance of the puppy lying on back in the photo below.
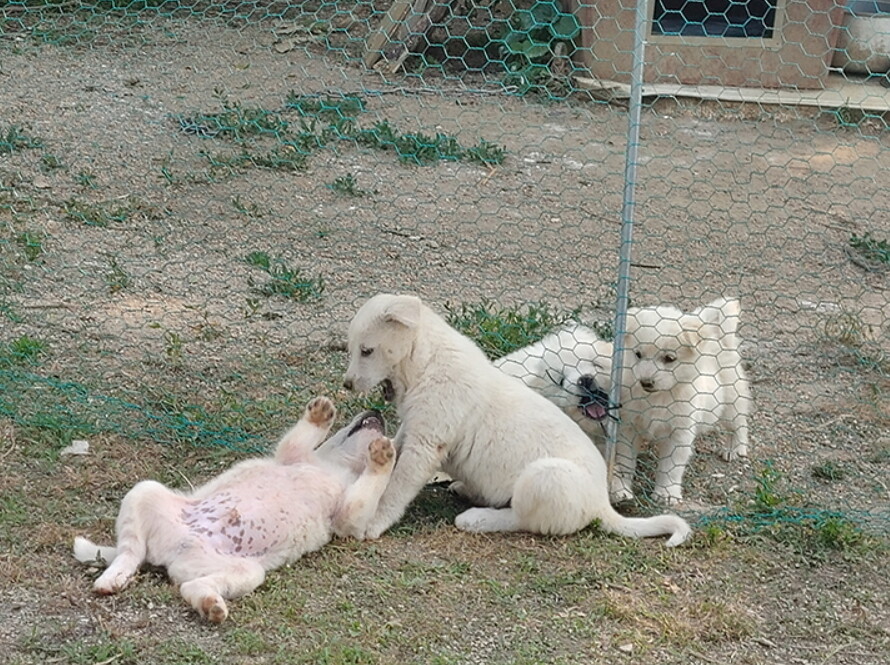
(682, 376)
(218, 541)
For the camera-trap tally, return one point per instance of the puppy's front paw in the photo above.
(321, 412)
(373, 532)
(381, 452)
(734, 453)
(670, 496)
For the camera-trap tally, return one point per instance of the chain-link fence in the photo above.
(196, 197)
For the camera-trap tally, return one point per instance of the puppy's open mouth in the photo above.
(595, 405)
(369, 420)
(389, 393)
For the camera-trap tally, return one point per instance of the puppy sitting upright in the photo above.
(682, 376)
(218, 541)
(523, 461)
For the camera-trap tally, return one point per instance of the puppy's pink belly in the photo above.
(251, 522)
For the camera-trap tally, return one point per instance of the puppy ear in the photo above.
(403, 310)
(723, 312)
(690, 331)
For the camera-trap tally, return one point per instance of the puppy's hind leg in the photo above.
(549, 497)
(488, 520)
(207, 594)
(133, 524)
(362, 497)
(307, 434)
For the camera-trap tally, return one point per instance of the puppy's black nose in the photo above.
(587, 382)
(347, 383)
(648, 384)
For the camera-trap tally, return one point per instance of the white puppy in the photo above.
(218, 541)
(572, 368)
(683, 376)
(509, 448)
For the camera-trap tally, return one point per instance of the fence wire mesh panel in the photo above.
(197, 197)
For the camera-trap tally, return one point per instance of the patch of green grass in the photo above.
(178, 651)
(323, 120)
(329, 109)
(341, 654)
(348, 186)
(235, 122)
(116, 278)
(14, 510)
(50, 162)
(7, 310)
(247, 642)
(14, 138)
(31, 243)
(870, 248)
(420, 149)
(251, 210)
(434, 508)
(86, 179)
(829, 470)
(105, 213)
(501, 330)
(812, 533)
(173, 346)
(24, 350)
(283, 158)
(837, 533)
(286, 281)
(766, 494)
(106, 650)
(856, 339)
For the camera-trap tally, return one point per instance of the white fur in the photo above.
(218, 541)
(514, 453)
(682, 376)
(558, 366)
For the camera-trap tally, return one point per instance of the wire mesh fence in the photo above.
(197, 196)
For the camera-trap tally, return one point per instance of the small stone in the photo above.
(77, 447)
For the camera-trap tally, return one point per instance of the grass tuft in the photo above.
(13, 138)
(870, 248)
(286, 281)
(31, 243)
(501, 330)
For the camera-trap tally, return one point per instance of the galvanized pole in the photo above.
(627, 216)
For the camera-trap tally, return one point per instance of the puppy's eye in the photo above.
(669, 358)
(638, 355)
(365, 351)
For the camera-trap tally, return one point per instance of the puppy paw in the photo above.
(734, 454)
(670, 496)
(460, 489)
(108, 585)
(213, 608)
(381, 452)
(320, 412)
(620, 492)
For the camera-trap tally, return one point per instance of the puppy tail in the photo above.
(647, 527)
(87, 551)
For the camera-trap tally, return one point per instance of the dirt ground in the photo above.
(761, 204)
